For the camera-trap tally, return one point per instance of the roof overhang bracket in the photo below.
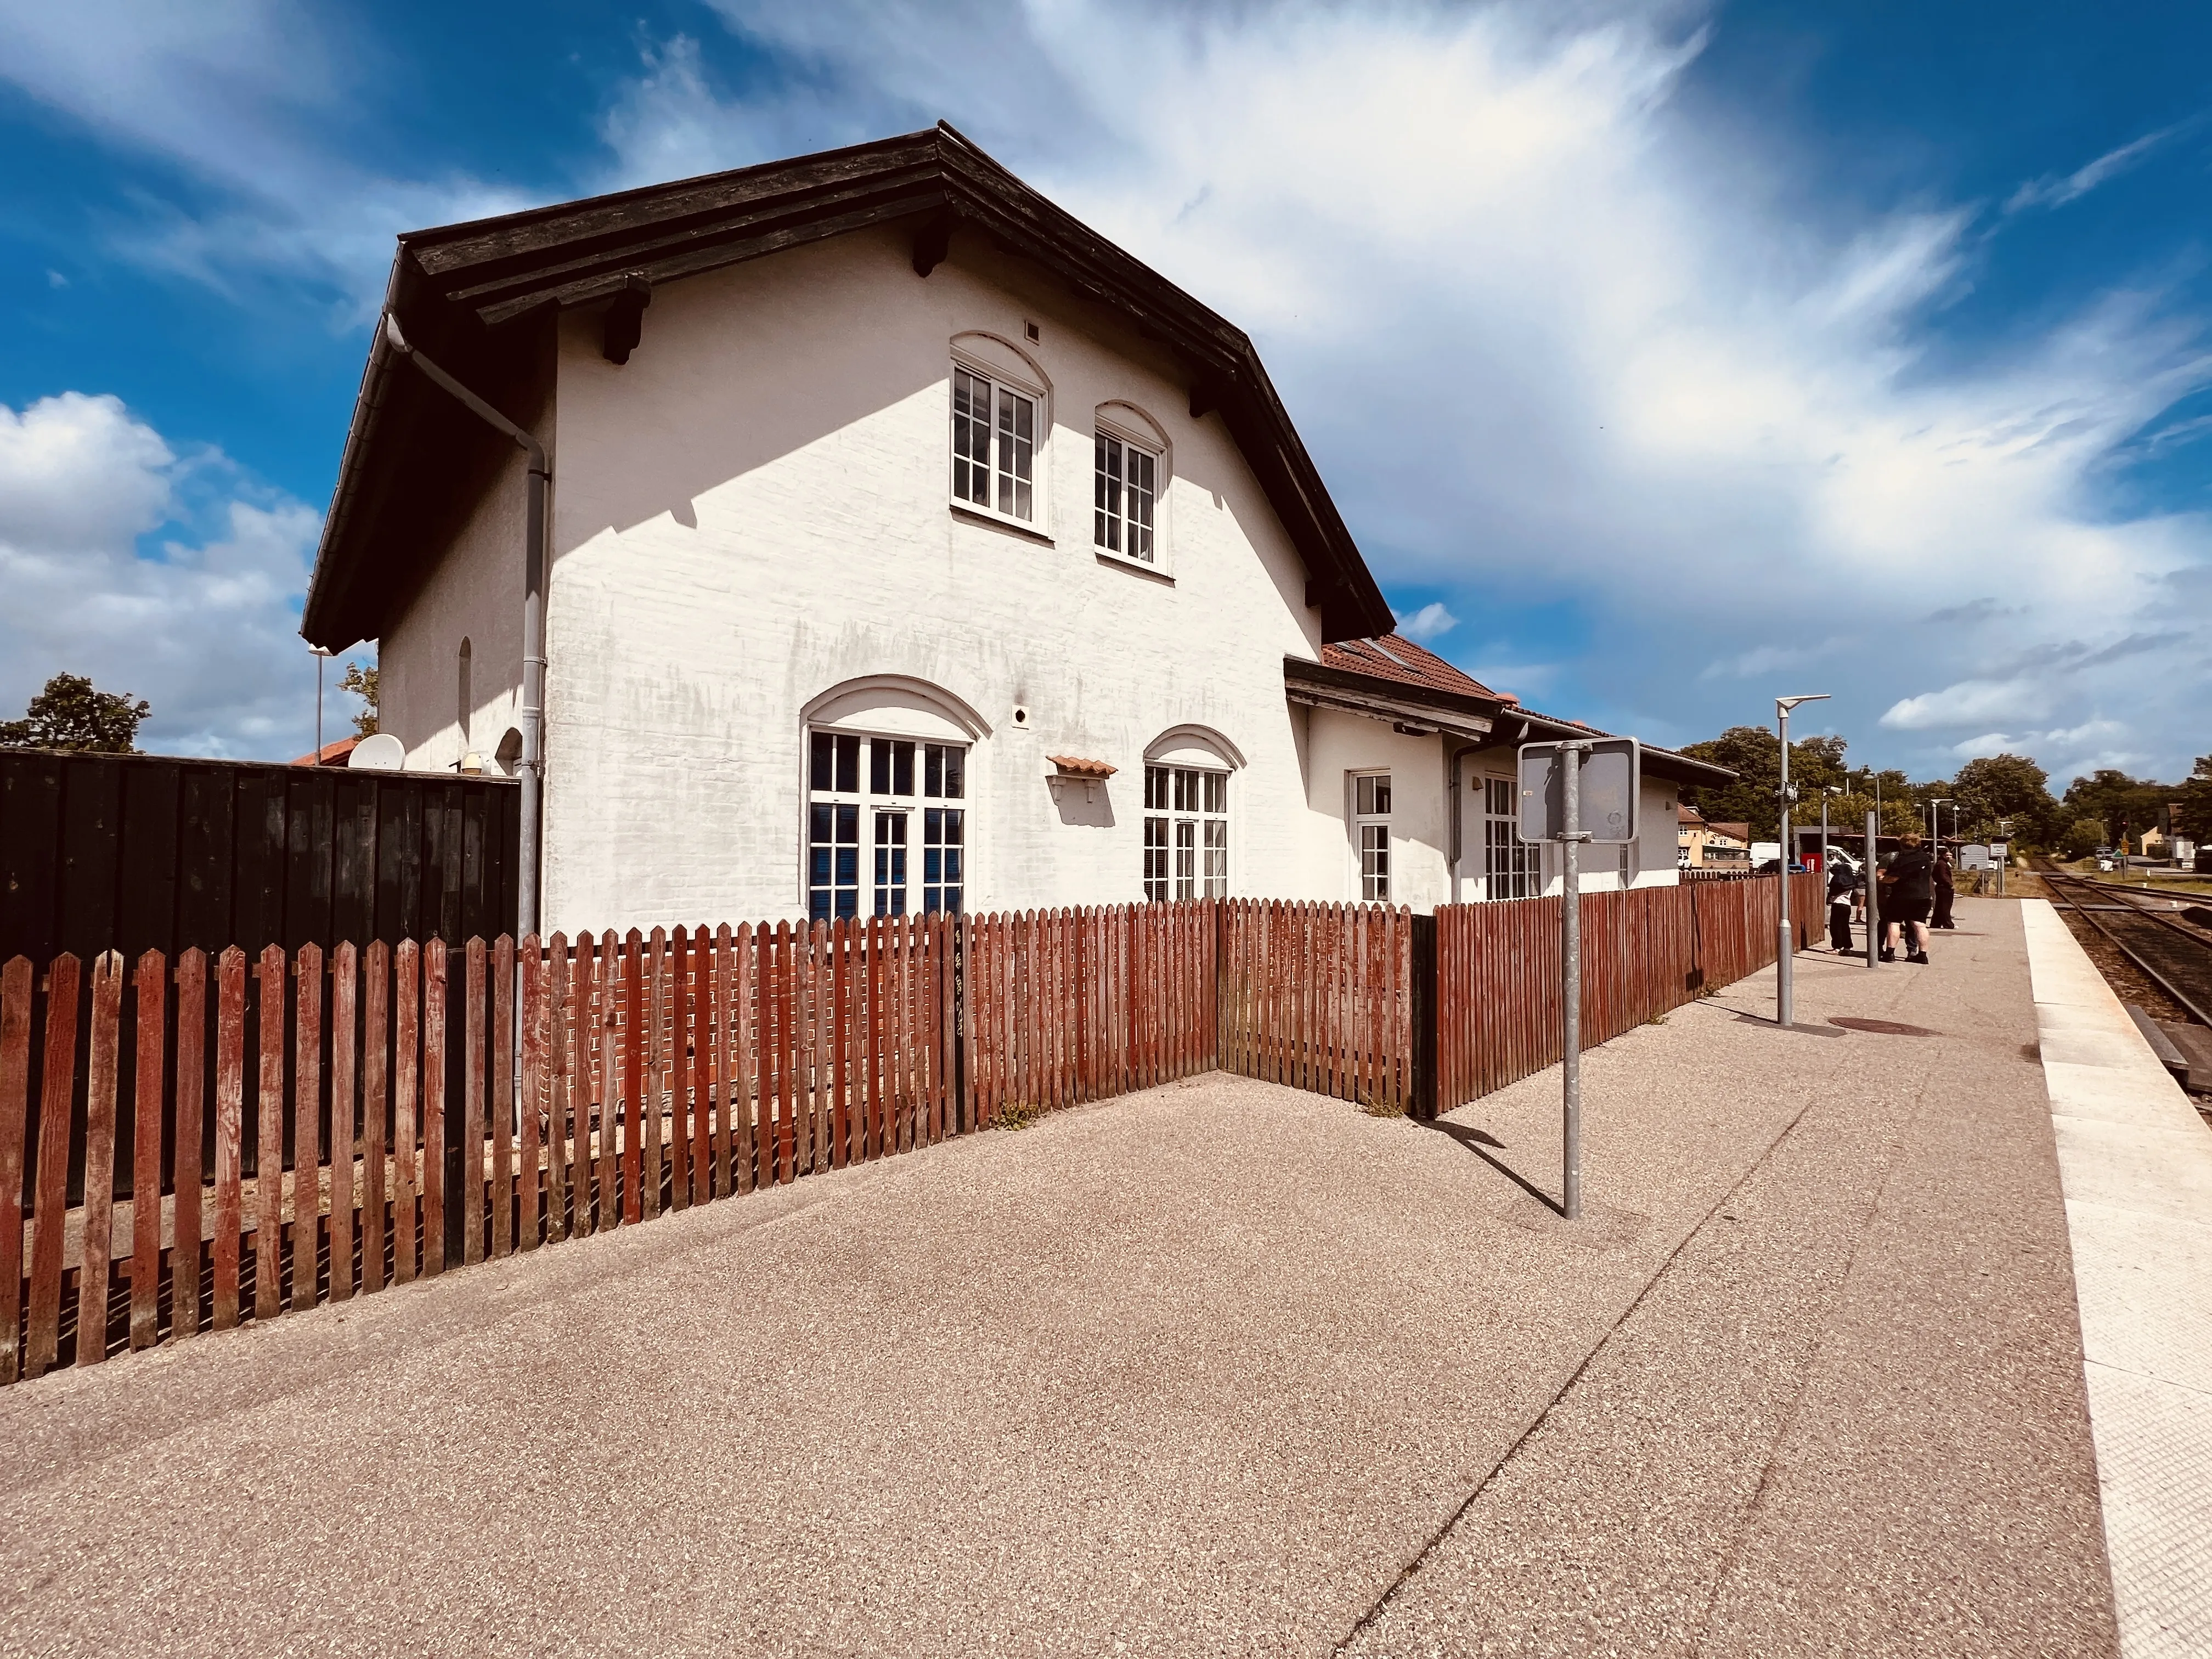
(624, 323)
(932, 243)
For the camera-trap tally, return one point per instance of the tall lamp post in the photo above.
(1783, 1013)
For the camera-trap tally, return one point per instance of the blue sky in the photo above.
(1663, 357)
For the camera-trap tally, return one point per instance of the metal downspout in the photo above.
(533, 763)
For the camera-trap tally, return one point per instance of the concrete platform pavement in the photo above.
(1217, 1369)
(2136, 1164)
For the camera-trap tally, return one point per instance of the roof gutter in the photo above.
(532, 765)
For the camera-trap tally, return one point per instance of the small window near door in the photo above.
(1370, 823)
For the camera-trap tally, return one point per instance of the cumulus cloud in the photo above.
(202, 623)
(1431, 622)
(1966, 703)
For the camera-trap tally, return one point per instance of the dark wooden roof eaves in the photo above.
(492, 272)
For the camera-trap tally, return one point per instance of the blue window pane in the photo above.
(848, 865)
(819, 817)
(818, 908)
(848, 902)
(952, 864)
(848, 823)
(819, 866)
(932, 865)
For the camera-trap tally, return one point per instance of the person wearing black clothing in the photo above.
(1843, 887)
(1908, 892)
(1945, 893)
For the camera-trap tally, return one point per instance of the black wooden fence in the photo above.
(133, 853)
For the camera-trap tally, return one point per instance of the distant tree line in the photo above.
(2095, 812)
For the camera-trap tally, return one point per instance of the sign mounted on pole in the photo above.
(1610, 779)
(1564, 786)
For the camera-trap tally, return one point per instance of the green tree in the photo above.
(2118, 801)
(2082, 837)
(2000, 787)
(1754, 754)
(362, 682)
(71, 714)
(2195, 799)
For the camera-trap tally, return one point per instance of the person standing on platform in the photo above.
(1843, 886)
(1907, 889)
(1945, 892)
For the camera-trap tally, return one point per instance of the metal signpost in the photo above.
(1785, 956)
(1592, 781)
(2001, 855)
(1873, 869)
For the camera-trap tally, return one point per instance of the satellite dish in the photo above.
(381, 753)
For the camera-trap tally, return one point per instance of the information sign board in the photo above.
(1612, 777)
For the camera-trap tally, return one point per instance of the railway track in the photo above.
(2172, 948)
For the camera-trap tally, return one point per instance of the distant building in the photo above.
(1701, 844)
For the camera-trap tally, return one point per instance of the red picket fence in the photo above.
(1644, 951)
(1321, 997)
(201, 1141)
(656, 1071)
(1062, 1007)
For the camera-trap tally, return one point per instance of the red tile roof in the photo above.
(1074, 767)
(1394, 658)
(331, 754)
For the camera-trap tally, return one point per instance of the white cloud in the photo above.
(1431, 622)
(2055, 190)
(1990, 743)
(1966, 703)
(206, 628)
(1551, 336)
(234, 93)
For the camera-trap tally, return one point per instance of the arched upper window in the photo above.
(1129, 480)
(1187, 804)
(1001, 414)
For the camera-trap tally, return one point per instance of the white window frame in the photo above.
(1186, 831)
(1371, 811)
(876, 840)
(1132, 435)
(1522, 861)
(1039, 522)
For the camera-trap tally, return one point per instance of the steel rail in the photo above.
(2197, 1002)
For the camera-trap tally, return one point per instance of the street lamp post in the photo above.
(1784, 1013)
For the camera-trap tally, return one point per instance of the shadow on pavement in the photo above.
(1477, 1142)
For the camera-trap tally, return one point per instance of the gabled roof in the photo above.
(471, 294)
